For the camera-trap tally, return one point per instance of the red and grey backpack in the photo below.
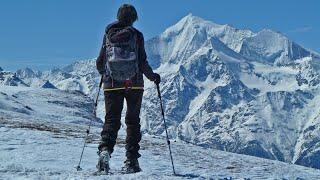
(121, 54)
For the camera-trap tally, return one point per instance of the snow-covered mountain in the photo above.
(236, 90)
(272, 47)
(224, 88)
(10, 79)
(80, 76)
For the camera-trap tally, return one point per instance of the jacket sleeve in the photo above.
(100, 62)
(143, 63)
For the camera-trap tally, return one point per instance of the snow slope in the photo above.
(35, 154)
(42, 105)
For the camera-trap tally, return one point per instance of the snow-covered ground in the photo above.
(42, 105)
(28, 153)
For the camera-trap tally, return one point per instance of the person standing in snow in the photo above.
(122, 62)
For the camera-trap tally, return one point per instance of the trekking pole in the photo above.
(88, 130)
(165, 126)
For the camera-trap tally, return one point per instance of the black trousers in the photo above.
(114, 104)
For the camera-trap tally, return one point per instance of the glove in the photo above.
(157, 78)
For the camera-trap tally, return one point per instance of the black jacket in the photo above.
(144, 67)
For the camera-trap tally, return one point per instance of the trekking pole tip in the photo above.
(78, 168)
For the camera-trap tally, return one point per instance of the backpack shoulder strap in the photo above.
(135, 37)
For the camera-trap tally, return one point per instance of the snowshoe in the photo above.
(131, 166)
(103, 162)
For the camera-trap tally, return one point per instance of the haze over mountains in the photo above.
(254, 93)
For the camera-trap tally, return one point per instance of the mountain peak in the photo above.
(190, 15)
(191, 18)
(273, 33)
(1, 69)
(195, 20)
(48, 85)
(190, 22)
(27, 73)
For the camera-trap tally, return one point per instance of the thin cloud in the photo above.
(302, 29)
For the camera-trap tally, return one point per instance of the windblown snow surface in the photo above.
(44, 141)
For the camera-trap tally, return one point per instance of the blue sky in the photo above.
(45, 33)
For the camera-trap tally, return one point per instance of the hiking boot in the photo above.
(131, 166)
(103, 162)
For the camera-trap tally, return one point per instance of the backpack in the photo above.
(121, 54)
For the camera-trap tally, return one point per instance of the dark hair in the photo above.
(127, 14)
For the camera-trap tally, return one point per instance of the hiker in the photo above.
(122, 62)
